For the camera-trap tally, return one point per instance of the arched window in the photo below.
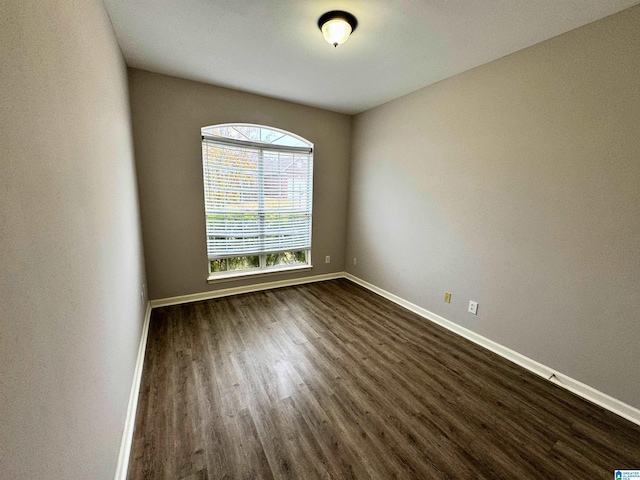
(258, 189)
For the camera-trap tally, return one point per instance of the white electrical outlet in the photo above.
(473, 307)
(327, 259)
(355, 261)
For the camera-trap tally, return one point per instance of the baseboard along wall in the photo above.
(196, 297)
(130, 419)
(585, 391)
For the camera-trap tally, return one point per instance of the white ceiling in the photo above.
(274, 47)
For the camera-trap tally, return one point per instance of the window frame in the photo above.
(262, 269)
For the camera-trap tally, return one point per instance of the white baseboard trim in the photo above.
(130, 420)
(196, 297)
(127, 435)
(585, 391)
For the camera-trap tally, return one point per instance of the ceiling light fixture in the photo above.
(336, 26)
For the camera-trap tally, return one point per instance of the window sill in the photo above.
(215, 278)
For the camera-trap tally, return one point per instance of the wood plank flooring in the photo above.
(330, 381)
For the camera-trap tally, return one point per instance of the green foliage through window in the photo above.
(254, 261)
(286, 258)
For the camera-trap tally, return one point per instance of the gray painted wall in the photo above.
(516, 185)
(167, 115)
(71, 261)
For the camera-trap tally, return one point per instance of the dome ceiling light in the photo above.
(336, 26)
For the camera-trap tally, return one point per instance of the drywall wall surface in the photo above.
(516, 185)
(71, 262)
(167, 115)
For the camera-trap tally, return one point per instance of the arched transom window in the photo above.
(258, 188)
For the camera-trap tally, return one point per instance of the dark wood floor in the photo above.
(328, 380)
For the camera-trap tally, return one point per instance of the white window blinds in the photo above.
(258, 197)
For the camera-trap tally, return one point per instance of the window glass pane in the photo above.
(272, 259)
(244, 263)
(290, 141)
(286, 258)
(255, 133)
(219, 265)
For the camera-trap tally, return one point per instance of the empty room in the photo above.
(319, 239)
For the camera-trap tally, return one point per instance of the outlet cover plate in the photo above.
(473, 307)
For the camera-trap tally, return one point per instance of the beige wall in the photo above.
(516, 185)
(70, 246)
(167, 115)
